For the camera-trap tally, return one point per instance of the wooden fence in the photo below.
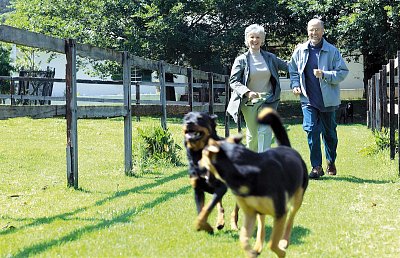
(384, 102)
(69, 47)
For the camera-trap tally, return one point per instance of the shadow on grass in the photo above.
(353, 179)
(298, 234)
(122, 218)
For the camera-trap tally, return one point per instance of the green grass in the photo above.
(355, 214)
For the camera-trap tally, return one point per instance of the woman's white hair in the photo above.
(254, 28)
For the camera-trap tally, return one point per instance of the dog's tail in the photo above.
(269, 116)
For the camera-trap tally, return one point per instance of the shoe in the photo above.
(331, 169)
(316, 172)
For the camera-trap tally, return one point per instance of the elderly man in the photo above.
(316, 69)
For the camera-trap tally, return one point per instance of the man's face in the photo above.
(315, 32)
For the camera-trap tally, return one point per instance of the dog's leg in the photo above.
(221, 216)
(202, 223)
(260, 233)
(276, 236)
(234, 218)
(246, 232)
(198, 194)
(297, 200)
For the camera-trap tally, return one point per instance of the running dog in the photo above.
(269, 183)
(198, 128)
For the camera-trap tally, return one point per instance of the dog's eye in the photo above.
(197, 134)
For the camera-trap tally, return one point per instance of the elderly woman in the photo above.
(255, 84)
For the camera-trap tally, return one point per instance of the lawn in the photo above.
(355, 214)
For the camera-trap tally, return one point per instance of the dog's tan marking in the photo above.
(193, 182)
(201, 222)
(201, 142)
(263, 205)
(206, 160)
(221, 215)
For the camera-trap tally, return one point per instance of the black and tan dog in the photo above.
(346, 113)
(198, 128)
(269, 183)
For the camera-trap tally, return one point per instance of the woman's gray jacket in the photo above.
(239, 80)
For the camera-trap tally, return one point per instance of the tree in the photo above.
(369, 28)
(373, 29)
(5, 69)
(205, 34)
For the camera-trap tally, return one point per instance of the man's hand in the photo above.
(296, 91)
(318, 73)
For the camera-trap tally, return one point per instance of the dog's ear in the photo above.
(235, 139)
(213, 146)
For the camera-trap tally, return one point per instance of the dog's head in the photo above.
(198, 127)
(215, 152)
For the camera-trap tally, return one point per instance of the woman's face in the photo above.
(254, 41)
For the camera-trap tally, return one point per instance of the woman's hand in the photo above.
(252, 95)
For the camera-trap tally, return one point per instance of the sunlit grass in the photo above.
(354, 214)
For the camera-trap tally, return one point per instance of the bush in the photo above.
(156, 147)
(382, 142)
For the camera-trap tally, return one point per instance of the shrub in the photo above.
(156, 147)
(382, 142)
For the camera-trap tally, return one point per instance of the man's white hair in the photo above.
(254, 28)
(315, 20)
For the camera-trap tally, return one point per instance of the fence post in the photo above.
(385, 120)
(71, 114)
(398, 105)
(392, 115)
(126, 66)
(377, 103)
(163, 94)
(373, 103)
(190, 87)
(369, 94)
(227, 98)
(137, 87)
(210, 93)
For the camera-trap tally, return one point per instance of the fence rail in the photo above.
(384, 102)
(210, 82)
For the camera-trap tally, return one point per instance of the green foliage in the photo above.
(203, 34)
(5, 69)
(156, 148)
(382, 142)
(208, 35)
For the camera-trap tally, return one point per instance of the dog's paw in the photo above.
(252, 254)
(220, 225)
(220, 221)
(204, 226)
(234, 227)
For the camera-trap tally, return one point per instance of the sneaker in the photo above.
(316, 172)
(331, 169)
